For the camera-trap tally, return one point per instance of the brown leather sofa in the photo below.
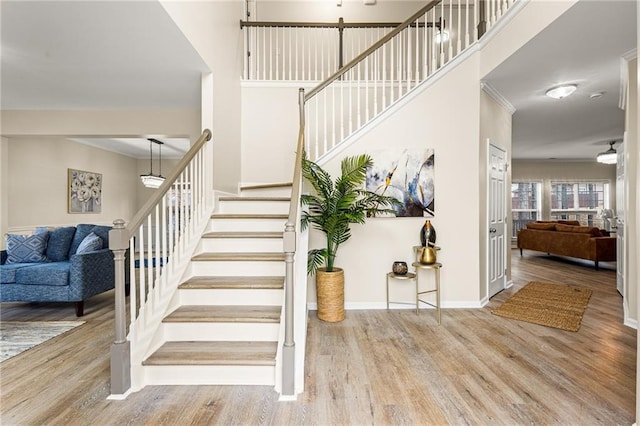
(567, 238)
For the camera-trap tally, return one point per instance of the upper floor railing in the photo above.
(312, 51)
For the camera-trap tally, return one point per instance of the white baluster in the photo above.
(325, 128)
(466, 27)
(133, 286)
(392, 61)
(417, 55)
(359, 97)
(384, 76)
(450, 41)
(374, 58)
(458, 28)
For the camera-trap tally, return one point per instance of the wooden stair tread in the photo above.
(226, 313)
(233, 282)
(239, 257)
(266, 186)
(242, 235)
(214, 353)
(252, 198)
(248, 216)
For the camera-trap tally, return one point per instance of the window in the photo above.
(525, 204)
(581, 201)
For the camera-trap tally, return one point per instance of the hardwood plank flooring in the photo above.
(376, 367)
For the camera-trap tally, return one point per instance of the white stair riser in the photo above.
(270, 297)
(209, 375)
(264, 207)
(220, 331)
(245, 225)
(267, 192)
(239, 245)
(235, 269)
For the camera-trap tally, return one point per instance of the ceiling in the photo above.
(98, 55)
(123, 55)
(584, 46)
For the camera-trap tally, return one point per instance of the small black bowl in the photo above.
(400, 268)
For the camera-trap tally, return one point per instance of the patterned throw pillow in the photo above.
(27, 248)
(90, 243)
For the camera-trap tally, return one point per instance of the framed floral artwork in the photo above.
(85, 191)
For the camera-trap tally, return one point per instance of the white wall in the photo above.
(631, 198)
(270, 127)
(495, 126)
(514, 33)
(4, 189)
(166, 122)
(423, 122)
(213, 28)
(37, 183)
(43, 131)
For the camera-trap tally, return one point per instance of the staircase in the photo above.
(223, 324)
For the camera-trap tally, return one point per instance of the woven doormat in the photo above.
(552, 305)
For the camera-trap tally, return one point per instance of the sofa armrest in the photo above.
(3, 257)
(91, 273)
(604, 248)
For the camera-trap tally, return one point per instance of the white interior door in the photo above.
(619, 220)
(497, 200)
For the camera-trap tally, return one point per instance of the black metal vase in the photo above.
(428, 234)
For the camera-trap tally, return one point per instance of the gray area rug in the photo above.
(17, 337)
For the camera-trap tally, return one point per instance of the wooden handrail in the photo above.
(338, 74)
(148, 207)
(339, 24)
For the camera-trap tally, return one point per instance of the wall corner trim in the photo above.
(497, 96)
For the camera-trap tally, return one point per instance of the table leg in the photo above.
(438, 293)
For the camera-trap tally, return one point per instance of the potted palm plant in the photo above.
(332, 208)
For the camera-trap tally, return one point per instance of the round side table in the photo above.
(430, 267)
(407, 276)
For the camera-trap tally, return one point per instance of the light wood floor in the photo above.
(376, 367)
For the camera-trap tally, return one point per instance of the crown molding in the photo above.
(497, 96)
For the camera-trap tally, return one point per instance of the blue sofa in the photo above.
(61, 275)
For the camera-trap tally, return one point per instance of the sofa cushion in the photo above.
(543, 226)
(102, 232)
(592, 231)
(90, 243)
(564, 228)
(569, 222)
(8, 272)
(83, 230)
(54, 274)
(59, 243)
(27, 248)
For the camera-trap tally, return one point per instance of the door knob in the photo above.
(492, 230)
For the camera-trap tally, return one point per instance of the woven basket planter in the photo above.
(330, 292)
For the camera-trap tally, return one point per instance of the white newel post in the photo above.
(120, 349)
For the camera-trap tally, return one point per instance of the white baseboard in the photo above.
(362, 306)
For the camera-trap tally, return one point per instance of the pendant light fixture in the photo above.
(150, 180)
(441, 35)
(609, 156)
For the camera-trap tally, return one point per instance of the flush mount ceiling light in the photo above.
(561, 91)
(609, 156)
(150, 180)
